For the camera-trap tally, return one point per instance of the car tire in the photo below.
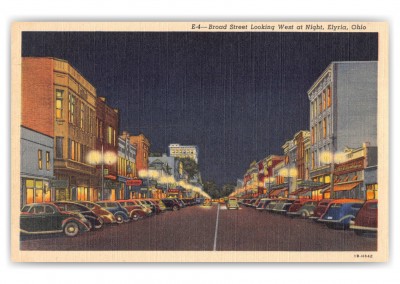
(175, 208)
(135, 217)
(100, 225)
(71, 229)
(303, 214)
(119, 218)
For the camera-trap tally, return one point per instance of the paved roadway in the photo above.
(209, 228)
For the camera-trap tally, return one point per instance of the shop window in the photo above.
(47, 193)
(40, 159)
(38, 195)
(327, 179)
(29, 195)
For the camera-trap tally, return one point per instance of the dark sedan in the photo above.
(94, 219)
(46, 218)
(120, 213)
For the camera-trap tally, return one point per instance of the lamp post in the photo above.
(331, 158)
(95, 157)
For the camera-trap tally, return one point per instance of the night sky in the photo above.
(238, 96)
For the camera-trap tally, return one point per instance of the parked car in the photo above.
(158, 203)
(263, 202)
(255, 204)
(156, 209)
(145, 207)
(135, 211)
(207, 202)
(180, 202)
(232, 203)
(95, 221)
(271, 205)
(46, 218)
(250, 203)
(295, 207)
(283, 205)
(107, 216)
(366, 220)
(120, 213)
(307, 209)
(171, 204)
(320, 209)
(340, 212)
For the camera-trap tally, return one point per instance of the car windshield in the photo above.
(89, 205)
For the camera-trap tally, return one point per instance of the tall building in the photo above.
(184, 151)
(142, 146)
(343, 113)
(59, 102)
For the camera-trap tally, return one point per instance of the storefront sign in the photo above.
(59, 183)
(134, 182)
(351, 166)
(143, 188)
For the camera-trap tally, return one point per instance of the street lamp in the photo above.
(331, 158)
(289, 173)
(95, 157)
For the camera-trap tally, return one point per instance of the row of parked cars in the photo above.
(71, 218)
(358, 215)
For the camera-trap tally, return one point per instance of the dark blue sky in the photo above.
(238, 96)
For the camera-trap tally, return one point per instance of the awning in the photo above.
(276, 192)
(300, 191)
(347, 186)
(325, 189)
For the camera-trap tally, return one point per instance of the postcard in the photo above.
(200, 142)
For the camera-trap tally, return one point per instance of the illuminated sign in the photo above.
(134, 182)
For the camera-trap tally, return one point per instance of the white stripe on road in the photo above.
(216, 231)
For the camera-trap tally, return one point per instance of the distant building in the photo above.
(126, 166)
(142, 145)
(343, 114)
(184, 151)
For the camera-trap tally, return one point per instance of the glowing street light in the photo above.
(331, 158)
(95, 157)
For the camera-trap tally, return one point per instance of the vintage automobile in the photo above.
(95, 220)
(262, 204)
(136, 212)
(120, 213)
(340, 212)
(271, 205)
(46, 218)
(320, 209)
(171, 204)
(295, 207)
(107, 216)
(207, 202)
(283, 205)
(306, 210)
(366, 220)
(232, 203)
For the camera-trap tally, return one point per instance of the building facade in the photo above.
(37, 171)
(184, 151)
(126, 167)
(107, 129)
(343, 113)
(142, 145)
(59, 102)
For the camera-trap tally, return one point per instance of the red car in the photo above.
(366, 220)
(320, 209)
(295, 207)
(136, 211)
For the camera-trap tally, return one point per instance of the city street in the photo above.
(201, 228)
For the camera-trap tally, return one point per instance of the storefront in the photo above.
(349, 179)
(35, 190)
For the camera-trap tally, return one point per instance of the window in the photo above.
(323, 100)
(312, 160)
(312, 136)
(59, 100)
(48, 161)
(59, 147)
(82, 115)
(328, 95)
(320, 104)
(71, 108)
(110, 135)
(324, 127)
(40, 161)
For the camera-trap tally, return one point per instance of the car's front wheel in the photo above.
(135, 216)
(119, 218)
(71, 229)
(175, 208)
(99, 224)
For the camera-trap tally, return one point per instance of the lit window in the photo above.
(328, 94)
(59, 99)
(71, 108)
(48, 161)
(82, 115)
(40, 161)
(324, 127)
